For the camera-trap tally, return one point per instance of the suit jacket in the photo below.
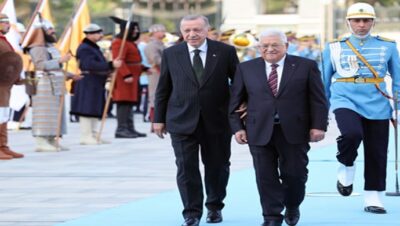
(181, 99)
(300, 102)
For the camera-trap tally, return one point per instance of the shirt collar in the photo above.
(280, 63)
(203, 47)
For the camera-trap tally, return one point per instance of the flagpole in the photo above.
(114, 75)
(62, 97)
(28, 29)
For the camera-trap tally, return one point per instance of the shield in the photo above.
(10, 68)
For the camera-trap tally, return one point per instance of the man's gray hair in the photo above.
(195, 17)
(273, 32)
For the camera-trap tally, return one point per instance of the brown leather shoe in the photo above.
(7, 151)
(4, 156)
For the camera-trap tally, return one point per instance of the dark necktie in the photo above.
(273, 79)
(197, 64)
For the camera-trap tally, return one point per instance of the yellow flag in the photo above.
(73, 35)
(45, 11)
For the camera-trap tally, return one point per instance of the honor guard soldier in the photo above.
(89, 92)
(47, 102)
(10, 70)
(354, 69)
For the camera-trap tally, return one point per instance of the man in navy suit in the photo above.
(286, 109)
(192, 100)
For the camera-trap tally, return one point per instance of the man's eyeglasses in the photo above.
(272, 46)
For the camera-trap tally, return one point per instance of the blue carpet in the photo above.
(322, 205)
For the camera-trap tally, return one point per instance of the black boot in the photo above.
(123, 130)
(131, 126)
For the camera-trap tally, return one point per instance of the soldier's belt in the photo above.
(360, 80)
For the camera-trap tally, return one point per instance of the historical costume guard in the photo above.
(153, 52)
(354, 71)
(46, 102)
(126, 89)
(10, 69)
(89, 92)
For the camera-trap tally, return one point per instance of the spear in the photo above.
(114, 74)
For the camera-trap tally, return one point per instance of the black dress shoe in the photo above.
(375, 209)
(292, 216)
(125, 134)
(272, 223)
(139, 134)
(344, 190)
(191, 221)
(214, 216)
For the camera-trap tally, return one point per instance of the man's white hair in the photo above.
(273, 32)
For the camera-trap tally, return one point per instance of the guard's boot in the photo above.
(5, 151)
(87, 137)
(345, 179)
(373, 202)
(123, 129)
(4, 156)
(44, 144)
(94, 125)
(53, 141)
(131, 127)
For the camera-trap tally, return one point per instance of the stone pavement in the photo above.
(43, 189)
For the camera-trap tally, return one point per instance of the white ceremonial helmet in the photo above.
(360, 10)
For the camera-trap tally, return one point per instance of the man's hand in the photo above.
(241, 136)
(65, 58)
(316, 135)
(242, 110)
(159, 129)
(117, 63)
(128, 79)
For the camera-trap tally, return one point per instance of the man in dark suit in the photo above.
(192, 105)
(286, 109)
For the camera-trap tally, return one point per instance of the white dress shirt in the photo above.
(279, 69)
(203, 52)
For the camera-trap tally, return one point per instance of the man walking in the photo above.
(286, 109)
(191, 103)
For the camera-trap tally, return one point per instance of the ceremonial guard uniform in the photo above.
(153, 52)
(126, 88)
(46, 102)
(10, 69)
(89, 92)
(358, 97)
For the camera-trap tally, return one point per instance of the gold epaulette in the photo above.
(385, 39)
(342, 39)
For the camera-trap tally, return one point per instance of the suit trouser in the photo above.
(281, 174)
(215, 153)
(375, 137)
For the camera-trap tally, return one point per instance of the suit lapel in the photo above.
(211, 61)
(287, 73)
(183, 58)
